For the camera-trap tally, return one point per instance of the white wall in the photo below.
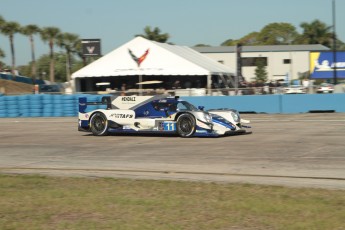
(276, 68)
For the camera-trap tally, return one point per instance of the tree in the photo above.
(260, 70)
(2, 22)
(79, 52)
(43, 63)
(2, 55)
(202, 45)
(43, 66)
(229, 42)
(50, 35)
(277, 34)
(70, 43)
(248, 40)
(315, 32)
(154, 35)
(271, 34)
(29, 31)
(9, 29)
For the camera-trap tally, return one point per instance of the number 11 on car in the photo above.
(169, 126)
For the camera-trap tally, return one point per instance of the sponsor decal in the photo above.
(121, 115)
(90, 49)
(200, 131)
(323, 65)
(140, 59)
(128, 98)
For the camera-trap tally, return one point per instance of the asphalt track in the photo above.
(299, 150)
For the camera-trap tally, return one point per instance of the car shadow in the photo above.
(151, 135)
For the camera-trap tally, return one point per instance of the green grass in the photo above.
(36, 202)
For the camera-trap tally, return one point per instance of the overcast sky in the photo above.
(189, 22)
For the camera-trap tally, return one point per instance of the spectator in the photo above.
(123, 89)
(177, 85)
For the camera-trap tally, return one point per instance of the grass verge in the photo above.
(37, 202)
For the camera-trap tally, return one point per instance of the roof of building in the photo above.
(270, 48)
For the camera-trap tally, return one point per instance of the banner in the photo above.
(91, 47)
(322, 65)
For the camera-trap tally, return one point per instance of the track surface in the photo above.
(302, 150)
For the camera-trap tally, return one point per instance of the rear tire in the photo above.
(186, 125)
(99, 124)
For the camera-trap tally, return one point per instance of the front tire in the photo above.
(99, 124)
(186, 125)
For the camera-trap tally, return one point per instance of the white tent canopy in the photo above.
(162, 60)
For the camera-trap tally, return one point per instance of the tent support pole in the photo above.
(209, 83)
(140, 85)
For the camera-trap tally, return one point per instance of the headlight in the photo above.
(235, 116)
(208, 117)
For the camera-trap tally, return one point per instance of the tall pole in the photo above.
(239, 66)
(334, 46)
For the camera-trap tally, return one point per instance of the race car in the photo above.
(157, 114)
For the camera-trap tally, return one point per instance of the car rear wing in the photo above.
(83, 103)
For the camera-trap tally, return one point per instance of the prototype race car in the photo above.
(157, 114)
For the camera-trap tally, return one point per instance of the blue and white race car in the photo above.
(157, 114)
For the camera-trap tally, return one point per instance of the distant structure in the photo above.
(280, 60)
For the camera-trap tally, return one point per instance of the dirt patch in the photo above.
(9, 87)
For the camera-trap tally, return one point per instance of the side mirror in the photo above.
(201, 107)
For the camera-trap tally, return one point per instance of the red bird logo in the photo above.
(140, 59)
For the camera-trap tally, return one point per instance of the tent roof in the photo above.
(162, 59)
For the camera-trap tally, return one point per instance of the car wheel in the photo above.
(186, 125)
(99, 124)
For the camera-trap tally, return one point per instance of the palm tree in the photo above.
(154, 35)
(68, 41)
(2, 21)
(315, 32)
(50, 34)
(29, 31)
(79, 51)
(2, 55)
(9, 29)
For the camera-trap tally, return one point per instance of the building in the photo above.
(281, 60)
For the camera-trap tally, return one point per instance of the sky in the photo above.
(188, 22)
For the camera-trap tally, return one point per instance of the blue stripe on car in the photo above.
(221, 121)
